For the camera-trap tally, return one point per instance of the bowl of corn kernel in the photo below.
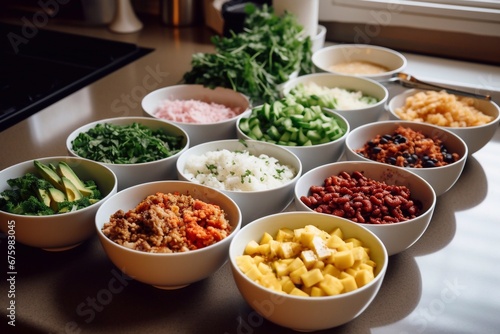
(305, 271)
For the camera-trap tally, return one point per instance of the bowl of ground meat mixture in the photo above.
(168, 234)
(474, 120)
(432, 152)
(206, 114)
(394, 203)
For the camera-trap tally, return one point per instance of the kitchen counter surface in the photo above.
(448, 282)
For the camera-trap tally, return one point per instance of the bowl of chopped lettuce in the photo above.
(136, 149)
(360, 100)
(50, 202)
(206, 114)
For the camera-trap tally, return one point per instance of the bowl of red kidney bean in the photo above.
(394, 203)
(434, 153)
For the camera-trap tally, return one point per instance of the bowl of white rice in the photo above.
(359, 100)
(206, 114)
(258, 176)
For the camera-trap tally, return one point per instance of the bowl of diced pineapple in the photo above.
(305, 271)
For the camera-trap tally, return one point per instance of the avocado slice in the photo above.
(49, 175)
(56, 197)
(66, 171)
(44, 196)
(72, 192)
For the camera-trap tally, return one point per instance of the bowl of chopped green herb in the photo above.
(50, 203)
(136, 149)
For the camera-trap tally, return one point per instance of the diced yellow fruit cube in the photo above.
(306, 290)
(317, 292)
(287, 284)
(335, 242)
(297, 234)
(349, 283)
(331, 270)
(252, 248)
(319, 265)
(295, 264)
(264, 249)
(319, 247)
(306, 238)
(311, 277)
(359, 253)
(343, 259)
(298, 292)
(331, 285)
(371, 263)
(364, 266)
(354, 241)
(244, 262)
(280, 268)
(284, 234)
(270, 281)
(265, 238)
(308, 257)
(338, 232)
(350, 271)
(274, 247)
(264, 268)
(316, 231)
(289, 249)
(297, 273)
(346, 246)
(344, 274)
(254, 273)
(363, 277)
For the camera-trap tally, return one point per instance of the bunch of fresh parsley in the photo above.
(255, 61)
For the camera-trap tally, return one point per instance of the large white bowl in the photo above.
(355, 117)
(396, 237)
(440, 178)
(200, 133)
(131, 174)
(394, 61)
(167, 270)
(307, 314)
(315, 155)
(474, 136)
(62, 231)
(253, 204)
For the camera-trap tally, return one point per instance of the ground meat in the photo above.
(408, 148)
(168, 223)
(362, 200)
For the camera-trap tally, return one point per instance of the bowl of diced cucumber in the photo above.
(315, 135)
(50, 203)
(306, 271)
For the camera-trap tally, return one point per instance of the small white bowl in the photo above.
(355, 117)
(61, 231)
(441, 178)
(396, 237)
(476, 137)
(253, 204)
(392, 60)
(318, 41)
(198, 132)
(131, 174)
(315, 155)
(167, 270)
(307, 314)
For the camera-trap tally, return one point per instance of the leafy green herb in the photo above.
(127, 144)
(254, 62)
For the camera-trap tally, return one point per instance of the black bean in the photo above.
(429, 163)
(392, 160)
(376, 150)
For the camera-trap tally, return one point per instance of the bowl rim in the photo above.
(366, 46)
(410, 124)
(379, 276)
(66, 158)
(420, 179)
(227, 239)
(336, 75)
(257, 142)
(390, 108)
(132, 119)
(226, 90)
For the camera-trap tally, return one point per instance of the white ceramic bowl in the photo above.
(318, 41)
(62, 231)
(357, 116)
(315, 155)
(392, 60)
(258, 203)
(200, 133)
(474, 136)
(396, 237)
(131, 174)
(167, 270)
(307, 314)
(440, 178)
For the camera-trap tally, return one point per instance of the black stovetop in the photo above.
(38, 69)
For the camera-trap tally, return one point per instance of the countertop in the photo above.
(448, 282)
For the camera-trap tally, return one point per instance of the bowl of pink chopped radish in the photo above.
(206, 114)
